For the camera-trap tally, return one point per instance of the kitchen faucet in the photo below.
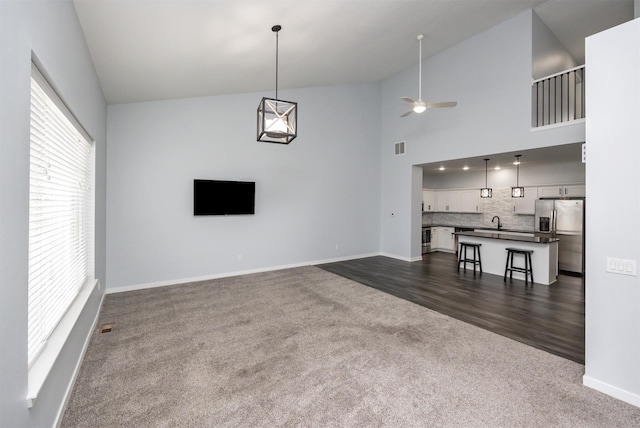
(499, 224)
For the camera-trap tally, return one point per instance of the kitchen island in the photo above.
(544, 258)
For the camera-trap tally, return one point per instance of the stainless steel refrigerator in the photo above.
(563, 219)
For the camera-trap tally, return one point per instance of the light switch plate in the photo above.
(622, 266)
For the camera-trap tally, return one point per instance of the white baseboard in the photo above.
(134, 287)
(404, 259)
(613, 391)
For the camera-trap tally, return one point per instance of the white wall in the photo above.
(549, 54)
(490, 77)
(612, 226)
(51, 30)
(319, 192)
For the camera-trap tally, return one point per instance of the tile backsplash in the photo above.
(501, 204)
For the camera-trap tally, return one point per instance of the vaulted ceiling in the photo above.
(147, 50)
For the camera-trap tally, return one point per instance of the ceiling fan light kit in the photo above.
(277, 119)
(420, 106)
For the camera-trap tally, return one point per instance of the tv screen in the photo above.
(217, 197)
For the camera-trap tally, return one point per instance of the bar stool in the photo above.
(464, 259)
(528, 266)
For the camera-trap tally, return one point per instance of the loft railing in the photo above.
(558, 98)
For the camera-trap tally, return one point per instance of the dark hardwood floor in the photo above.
(546, 317)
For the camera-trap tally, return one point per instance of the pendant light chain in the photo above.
(485, 173)
(276, 28)
(486, 192)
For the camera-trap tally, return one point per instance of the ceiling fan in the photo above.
(419, 106)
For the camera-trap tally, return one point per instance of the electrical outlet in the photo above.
(622, 266)
(239, 257)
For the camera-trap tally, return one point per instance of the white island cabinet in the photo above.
(544, 258)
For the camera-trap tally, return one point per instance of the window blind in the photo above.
(60, 212)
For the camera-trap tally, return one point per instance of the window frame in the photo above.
(41, 363)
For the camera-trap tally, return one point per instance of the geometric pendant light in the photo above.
(486, 192)
(277, 119)
(517, 192)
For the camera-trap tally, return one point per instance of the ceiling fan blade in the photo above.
(407, 113)
(408, 100)
(442, 104)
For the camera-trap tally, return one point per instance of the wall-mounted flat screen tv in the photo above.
(218, 197)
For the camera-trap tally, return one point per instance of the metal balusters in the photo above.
(559, 98)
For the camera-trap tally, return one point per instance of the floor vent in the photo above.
(399, 148)
(106, 328)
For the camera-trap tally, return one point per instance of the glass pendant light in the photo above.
(277, 119)
(517, 192)
(486, 191)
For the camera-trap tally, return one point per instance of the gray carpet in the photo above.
(304, 347)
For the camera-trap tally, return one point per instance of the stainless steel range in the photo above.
(426, 239)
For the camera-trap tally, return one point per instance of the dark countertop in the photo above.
(456, 226)
(508, 237)
(494, 230)
(483, 229)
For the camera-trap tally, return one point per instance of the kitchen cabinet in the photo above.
(576, 190)
(458, 201)
(445, 239)
(526, 205)
(444, 201)
(428, 200)
(573, 190)
(469, 201)
(434, 239)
